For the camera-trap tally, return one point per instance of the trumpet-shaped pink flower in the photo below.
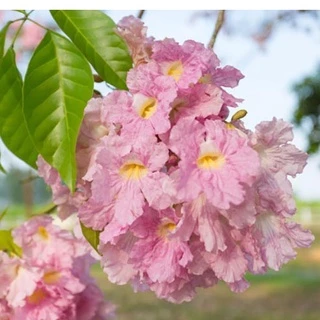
(157, 252)
(45, 243)
(214, 161)
(186, 63)
(201, 100)
(277, 239)
(147, 111)
(128, 171)
(95, 125)
(272, 141)
(133, 31)
(279, 158)
(201, 217)
(115, 258)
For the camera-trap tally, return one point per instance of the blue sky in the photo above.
(289, 56)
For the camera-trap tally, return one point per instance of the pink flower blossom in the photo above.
(186, 63)
(147, 111)
(201, 100)
(213, 161)
(95, 125)
(277, 239)
(272, 140)
(226, 77)
(278, 159)
(134, 33)
(157, 252)
(129, 171)
(115, 257)
(49, 284)
(181, 196)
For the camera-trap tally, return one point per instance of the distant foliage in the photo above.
(307, 111)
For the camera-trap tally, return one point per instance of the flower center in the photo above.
(133, 170)
(174, 70)
(148, 108)
(100, 131)
(165, 228)
(37, 296)
(43, 233)
(51, 277)
(212, 160)
(144, 106)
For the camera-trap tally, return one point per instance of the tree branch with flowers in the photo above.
(170, 192)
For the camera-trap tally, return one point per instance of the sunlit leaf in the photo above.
(3, 34)
(93, 32)
(58, 85)
(13, 130)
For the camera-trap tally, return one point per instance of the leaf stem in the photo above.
(39, 25)
(24, 19)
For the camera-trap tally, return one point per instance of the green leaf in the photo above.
(3, 213)
(13, 129)
(3, 34)
(94, 34)
(2, 169)
(91, 235)
(58, 85)
(7, 244)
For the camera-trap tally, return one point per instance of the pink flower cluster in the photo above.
(50, 280)
(183, 198)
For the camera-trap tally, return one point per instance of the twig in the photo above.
(217, 28)
(28, 179)
(140, 14)
(97, 78)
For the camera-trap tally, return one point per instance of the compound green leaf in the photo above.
(93, 32)
(58, 85)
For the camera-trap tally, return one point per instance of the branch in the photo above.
(140, 14)
(219, 23)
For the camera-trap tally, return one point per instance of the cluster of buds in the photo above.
(181, 196)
